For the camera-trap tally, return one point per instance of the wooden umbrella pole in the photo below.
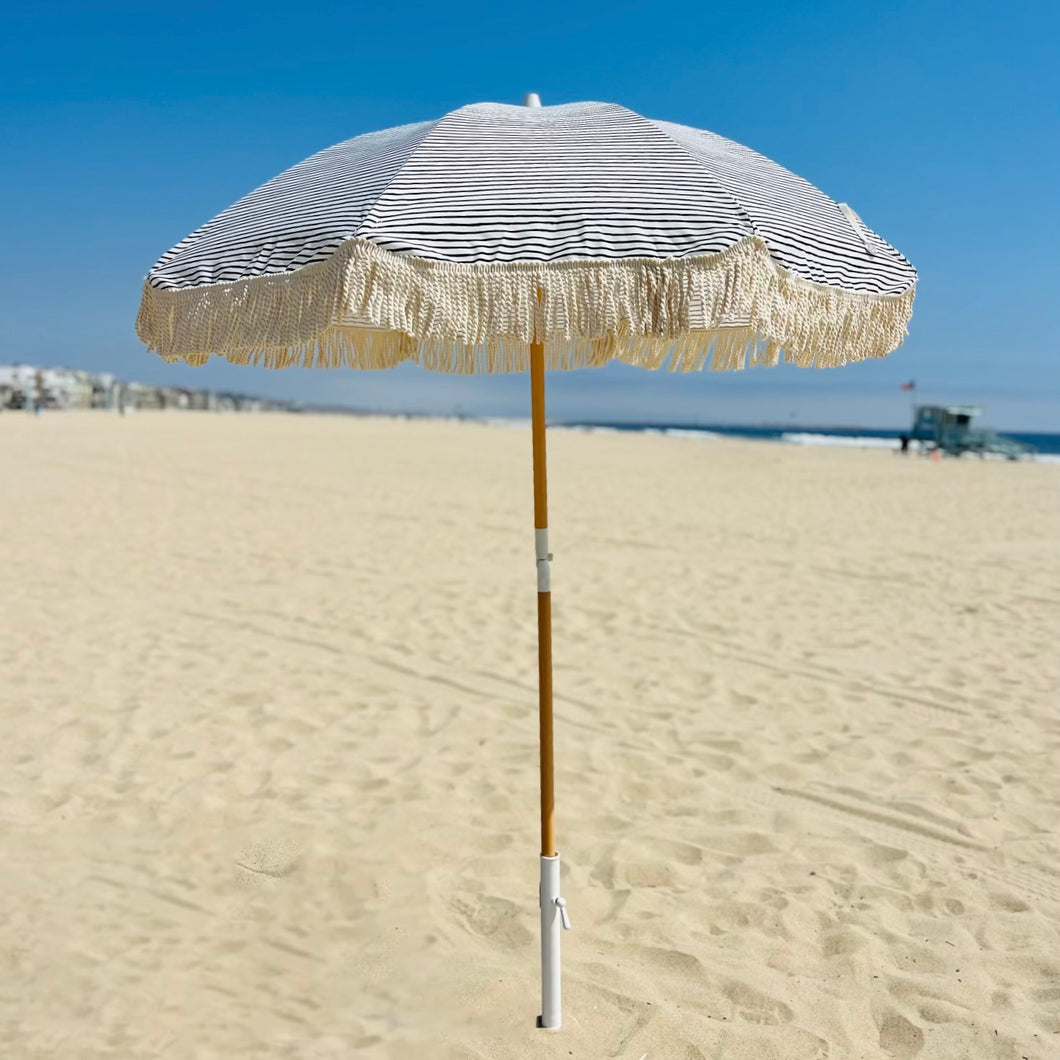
(544, 598)
(553, 906)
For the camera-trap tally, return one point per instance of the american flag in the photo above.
(911, 385)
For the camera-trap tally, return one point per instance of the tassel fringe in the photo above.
(365, 307)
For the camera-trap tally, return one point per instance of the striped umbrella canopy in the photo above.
(500, 239)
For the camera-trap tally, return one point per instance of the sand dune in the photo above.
(268, 745)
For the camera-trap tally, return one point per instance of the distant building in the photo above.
(104, 391)
(25, 386)
(17, 386)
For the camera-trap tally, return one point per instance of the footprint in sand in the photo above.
(263, 861)
(489, 842)
(755, 1007)
(492, 918)
(898, 1037)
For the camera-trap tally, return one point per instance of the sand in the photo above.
(268, 745)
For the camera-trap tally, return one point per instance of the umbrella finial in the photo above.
(531, 99)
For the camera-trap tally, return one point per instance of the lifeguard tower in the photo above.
(949, 429)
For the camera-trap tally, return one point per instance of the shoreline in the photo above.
(809, 437)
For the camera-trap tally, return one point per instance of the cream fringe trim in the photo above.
(735, 307)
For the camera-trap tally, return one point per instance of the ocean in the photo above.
(1045, 446)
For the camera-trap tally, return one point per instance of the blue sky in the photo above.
(125, 126)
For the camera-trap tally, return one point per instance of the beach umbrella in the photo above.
(504, 239)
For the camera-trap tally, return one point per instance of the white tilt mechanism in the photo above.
(544, 561)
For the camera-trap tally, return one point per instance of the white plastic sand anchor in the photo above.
(554, 919)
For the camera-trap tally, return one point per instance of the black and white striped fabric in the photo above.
(491, 183)
(601, 234)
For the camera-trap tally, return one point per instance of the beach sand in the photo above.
(268, 745)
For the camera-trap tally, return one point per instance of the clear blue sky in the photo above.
(124, 126)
